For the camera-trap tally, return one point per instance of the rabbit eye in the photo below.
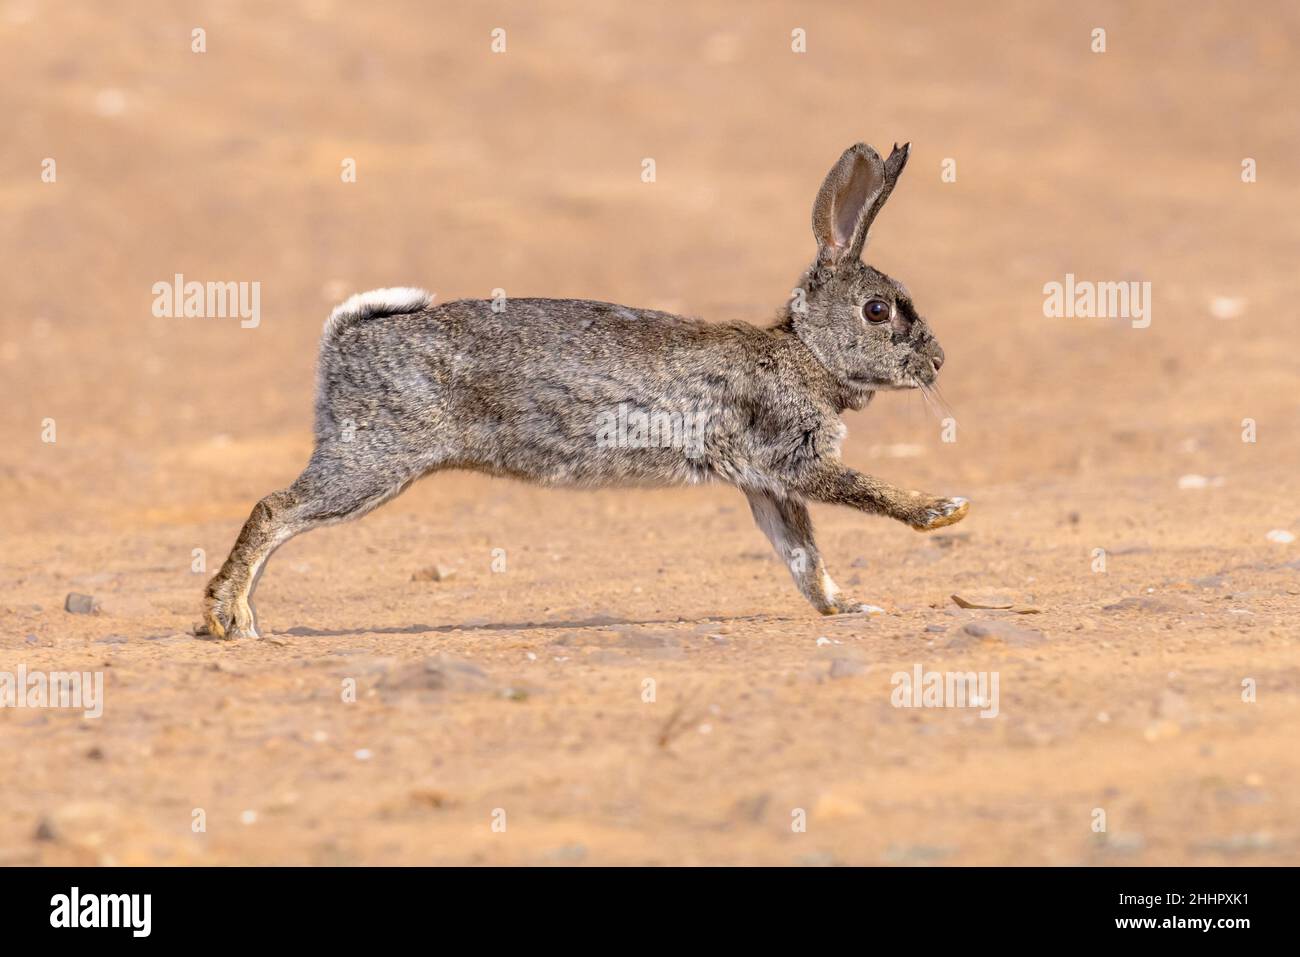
(876, 310)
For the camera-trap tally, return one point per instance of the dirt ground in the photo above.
(519, 697)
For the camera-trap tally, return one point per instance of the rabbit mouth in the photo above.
(877, 384)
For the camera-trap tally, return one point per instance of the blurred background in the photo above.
(521, 170)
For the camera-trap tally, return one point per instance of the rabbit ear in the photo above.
(893, 169)
(853, 193)
(847, 194)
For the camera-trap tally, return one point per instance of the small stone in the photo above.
(46, 830)
(1003, 631)
(434, 573)
(78, 604)
(1281, 536)
(1147, 605)
(83, 825)
(430, 797)
(753, 807)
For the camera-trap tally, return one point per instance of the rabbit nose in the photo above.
(937, 359)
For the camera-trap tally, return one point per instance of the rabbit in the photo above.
(570, 392)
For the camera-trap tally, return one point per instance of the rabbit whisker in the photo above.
(934, 399)
(943, 401)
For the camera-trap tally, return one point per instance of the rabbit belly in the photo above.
(570, 392)
(555, 435)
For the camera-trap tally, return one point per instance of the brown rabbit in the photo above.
(579, 393)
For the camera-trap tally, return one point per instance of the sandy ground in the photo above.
(519, 696)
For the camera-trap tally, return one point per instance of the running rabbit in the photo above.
(579, 393)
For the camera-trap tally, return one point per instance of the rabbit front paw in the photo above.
(941, 512)
(227, 618)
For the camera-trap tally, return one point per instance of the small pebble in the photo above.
(78, 604)
(434, 573)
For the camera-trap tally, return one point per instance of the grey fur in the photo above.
(531, 390)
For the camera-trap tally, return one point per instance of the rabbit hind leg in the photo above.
(320, 496)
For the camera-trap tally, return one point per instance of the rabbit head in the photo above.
(860, 323)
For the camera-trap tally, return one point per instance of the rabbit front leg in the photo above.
(788, 526)
(836, 484)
